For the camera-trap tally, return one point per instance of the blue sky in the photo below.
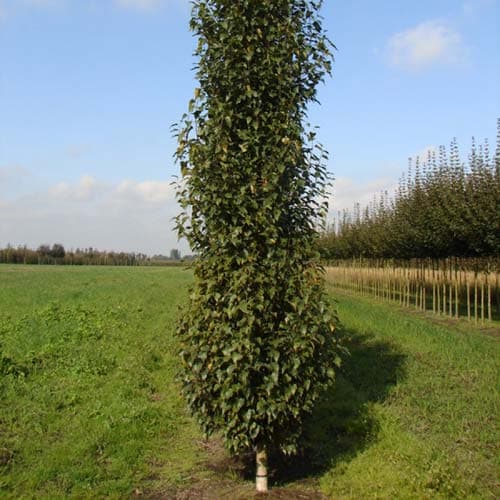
(90, 88)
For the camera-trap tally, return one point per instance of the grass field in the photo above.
(89, 406)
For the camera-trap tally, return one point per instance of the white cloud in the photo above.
(347, 192)
(129, 215)
(143, 5)
(146, 191)
(86, 189)
(427, 44)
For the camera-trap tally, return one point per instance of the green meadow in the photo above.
(90, 408)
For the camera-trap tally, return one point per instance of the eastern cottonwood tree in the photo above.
(258, 343)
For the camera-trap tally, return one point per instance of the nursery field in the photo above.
(89, 405)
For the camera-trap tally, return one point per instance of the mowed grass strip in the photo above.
(89, 406)
(415, 411)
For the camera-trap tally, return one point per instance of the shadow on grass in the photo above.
(343, 423)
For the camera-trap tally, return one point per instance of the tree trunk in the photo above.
(261, 473)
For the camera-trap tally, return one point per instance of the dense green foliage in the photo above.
(89, 407)
(257, 335)
(443, 208)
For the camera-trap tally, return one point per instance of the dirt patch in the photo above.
(5, 456)
(236, 492)
(225, 477)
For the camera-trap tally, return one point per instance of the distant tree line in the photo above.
(444, 207)
(57, 254)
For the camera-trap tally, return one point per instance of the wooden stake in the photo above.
(475, 299)
(489, 301)
(497, 294)
(438, 295)
(451, 300)
(468, 298)
(482, 302)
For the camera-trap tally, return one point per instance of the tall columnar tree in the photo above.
(257, 335)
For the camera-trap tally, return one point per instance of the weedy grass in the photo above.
(89, 406)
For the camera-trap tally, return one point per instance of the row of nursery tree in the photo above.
(443, 207)
(57, 254)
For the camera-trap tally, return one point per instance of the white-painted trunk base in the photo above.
(261, 474)
(261, 484)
